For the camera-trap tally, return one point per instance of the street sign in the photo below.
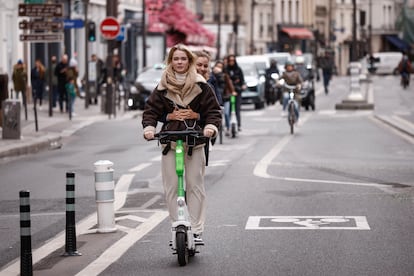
(122, 34)
(109, 28)
(41, 37)
(41, 10)
(73, 23)
(40, 25)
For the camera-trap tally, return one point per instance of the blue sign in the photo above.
(73, 23)
(122, 34)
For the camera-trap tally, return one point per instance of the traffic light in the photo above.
(91, 31)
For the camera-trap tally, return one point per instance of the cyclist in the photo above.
(291, 77)
(183, 100)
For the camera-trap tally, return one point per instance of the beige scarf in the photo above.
(181, 92)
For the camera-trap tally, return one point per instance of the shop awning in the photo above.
(298, 33)
(397, 42)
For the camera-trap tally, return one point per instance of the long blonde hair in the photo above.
(169, 79)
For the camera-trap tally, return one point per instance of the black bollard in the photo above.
(70, 241)
(26, 263)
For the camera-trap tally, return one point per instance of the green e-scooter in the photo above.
(183, 242)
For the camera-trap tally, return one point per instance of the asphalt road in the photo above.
(335, 198)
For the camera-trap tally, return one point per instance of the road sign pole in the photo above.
(87, 95)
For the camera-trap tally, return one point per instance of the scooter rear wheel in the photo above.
(182, 251)
(233, 130)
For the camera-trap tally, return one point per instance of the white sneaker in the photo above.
(283, 114)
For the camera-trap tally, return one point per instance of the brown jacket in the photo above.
(161, 102)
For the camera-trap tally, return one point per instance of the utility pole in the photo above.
(330, 29)
(354, 32)
(253, 4)
(87, 95)
(218, 44)
(111, 10)
(144, 36)
(236, 26)
(370, 29)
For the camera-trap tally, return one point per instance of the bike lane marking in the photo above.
(113, 253)
(307, 223)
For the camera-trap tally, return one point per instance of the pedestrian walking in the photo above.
(327, 65)
(237, 78)
(54, 81)
(183, 100)
(38, 78)
(71, 92)
(60, 73)
(19, 78)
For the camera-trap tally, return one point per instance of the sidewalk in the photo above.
(52, 129)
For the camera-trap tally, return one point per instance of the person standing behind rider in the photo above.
(226, 89)
(203, 68)
(183, 100)
(291, 77)
(405, 68)
(237, 78)
(268, 85)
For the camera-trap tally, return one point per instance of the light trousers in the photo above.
(194, 184)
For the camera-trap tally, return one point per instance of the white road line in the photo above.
(156, 158)
(121, 190)
(260, 169)
(140, 167)
(150, 202)
(113, 253)
(82, 227)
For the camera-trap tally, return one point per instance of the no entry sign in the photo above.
(110, 28)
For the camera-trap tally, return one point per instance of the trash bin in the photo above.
(11, 119)
(4, 92)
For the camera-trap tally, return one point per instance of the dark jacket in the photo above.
(159, 105)
(60, 74)
(236, 76)
(224, 85)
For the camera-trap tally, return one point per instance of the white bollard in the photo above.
(105, 196)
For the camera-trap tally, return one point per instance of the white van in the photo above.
(388, 62)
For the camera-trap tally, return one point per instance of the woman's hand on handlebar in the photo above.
(208, 132)
(149, 135)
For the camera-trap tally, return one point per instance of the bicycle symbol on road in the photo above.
(307, 223)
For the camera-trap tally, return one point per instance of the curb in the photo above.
(49, 141)
(397, 123)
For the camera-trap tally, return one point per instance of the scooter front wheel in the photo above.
(182, 251)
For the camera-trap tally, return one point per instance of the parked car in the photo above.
(145, 83)
(386, 63)
(254, 67)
